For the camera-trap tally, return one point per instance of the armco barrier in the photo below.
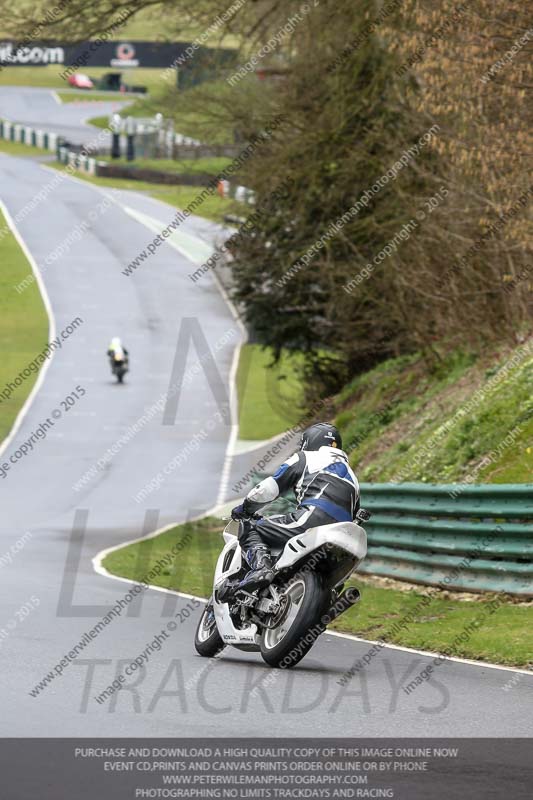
(470, 537)
(473, 538)
(76, 160)
(51, 141)
(111, 169)
(23, 134)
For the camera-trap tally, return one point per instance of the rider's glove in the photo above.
(240, 511)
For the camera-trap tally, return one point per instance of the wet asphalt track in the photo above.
(40, 109)
(178, 693)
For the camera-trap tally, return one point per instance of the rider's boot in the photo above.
(261, 573)
(261, 568)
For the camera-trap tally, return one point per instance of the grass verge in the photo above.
(153, 24)
(19, 149)
(92, 97)
(270, 396)
(505, 638)
(210, 165)
(99, 122)
(23, 326)
(395, 413)
(49, 77)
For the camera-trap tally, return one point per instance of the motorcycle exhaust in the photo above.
(344, 601)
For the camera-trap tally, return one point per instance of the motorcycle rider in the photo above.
(117, 353)
(326, 490)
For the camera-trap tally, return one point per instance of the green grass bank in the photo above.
(23, 326)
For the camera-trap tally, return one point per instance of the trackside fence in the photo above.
(459, 536)
(473, 538)
(33, 137)
(24, 134)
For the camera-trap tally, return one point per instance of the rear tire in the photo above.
(286, 644)
(207, 639)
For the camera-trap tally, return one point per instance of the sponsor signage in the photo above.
(35, 55)
(125, 56)
(96, 53)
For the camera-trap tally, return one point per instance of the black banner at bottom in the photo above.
(127, 769)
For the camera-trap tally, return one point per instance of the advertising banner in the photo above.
(96, 53)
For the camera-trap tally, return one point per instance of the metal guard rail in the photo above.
(459, 536)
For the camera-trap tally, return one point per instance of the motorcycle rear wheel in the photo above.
(207, 639)
(285, 644)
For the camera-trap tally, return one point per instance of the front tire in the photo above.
(299, 627)
(207, 639)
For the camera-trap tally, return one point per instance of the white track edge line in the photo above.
(51, 328)
(233, 398)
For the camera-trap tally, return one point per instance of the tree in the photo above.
(428, 258)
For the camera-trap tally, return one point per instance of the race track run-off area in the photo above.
(54, 520)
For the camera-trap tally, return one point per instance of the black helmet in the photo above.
(320, 434)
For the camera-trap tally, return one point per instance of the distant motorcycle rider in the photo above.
(117, 352)
(326, 490)
(118, 356)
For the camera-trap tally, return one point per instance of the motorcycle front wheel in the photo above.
(207, 639)
(297, 627)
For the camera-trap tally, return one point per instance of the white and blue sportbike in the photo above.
(283, 620)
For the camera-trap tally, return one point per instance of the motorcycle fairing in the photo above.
(347, 536)
(231, 557)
